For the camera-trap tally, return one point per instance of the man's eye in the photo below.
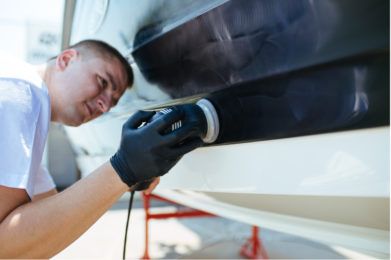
(102, 82)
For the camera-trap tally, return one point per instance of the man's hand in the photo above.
(147, 151)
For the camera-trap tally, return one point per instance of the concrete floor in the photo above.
(187, 238)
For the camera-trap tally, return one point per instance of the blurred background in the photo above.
(33, 32)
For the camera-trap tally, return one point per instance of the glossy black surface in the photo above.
(244, 40)
(349, 94)
(277, 68)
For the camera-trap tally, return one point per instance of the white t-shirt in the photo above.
(24, 124)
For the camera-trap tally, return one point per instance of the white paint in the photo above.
(351, 163)
(369, 240)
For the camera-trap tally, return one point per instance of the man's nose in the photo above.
(103, 103)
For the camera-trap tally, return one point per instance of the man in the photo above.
(77, 86)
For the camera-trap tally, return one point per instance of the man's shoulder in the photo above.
(17, 99)
(21, 88)
(14, 69)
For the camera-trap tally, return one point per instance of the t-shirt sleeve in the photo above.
(43, 182)
(18, 119)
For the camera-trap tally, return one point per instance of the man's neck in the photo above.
(42, 72)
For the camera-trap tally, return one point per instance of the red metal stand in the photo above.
(253, 248)
(188, 213)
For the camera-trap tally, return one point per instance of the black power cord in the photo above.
(127, 224)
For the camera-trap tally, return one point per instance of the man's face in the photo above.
(87, 87)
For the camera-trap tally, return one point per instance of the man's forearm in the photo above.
(43, 228)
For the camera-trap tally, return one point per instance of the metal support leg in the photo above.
(253, 248)
(179, 214)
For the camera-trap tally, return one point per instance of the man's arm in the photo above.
(43, 228)
(44, 195)
(10, 198)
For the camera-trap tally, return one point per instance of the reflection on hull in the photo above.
(280, 68)
(338, 96)
(246, 40)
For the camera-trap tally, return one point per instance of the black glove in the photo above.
(147, 150)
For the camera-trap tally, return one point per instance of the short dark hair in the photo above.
(104, 49)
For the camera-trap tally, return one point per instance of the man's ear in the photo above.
(65, 58)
